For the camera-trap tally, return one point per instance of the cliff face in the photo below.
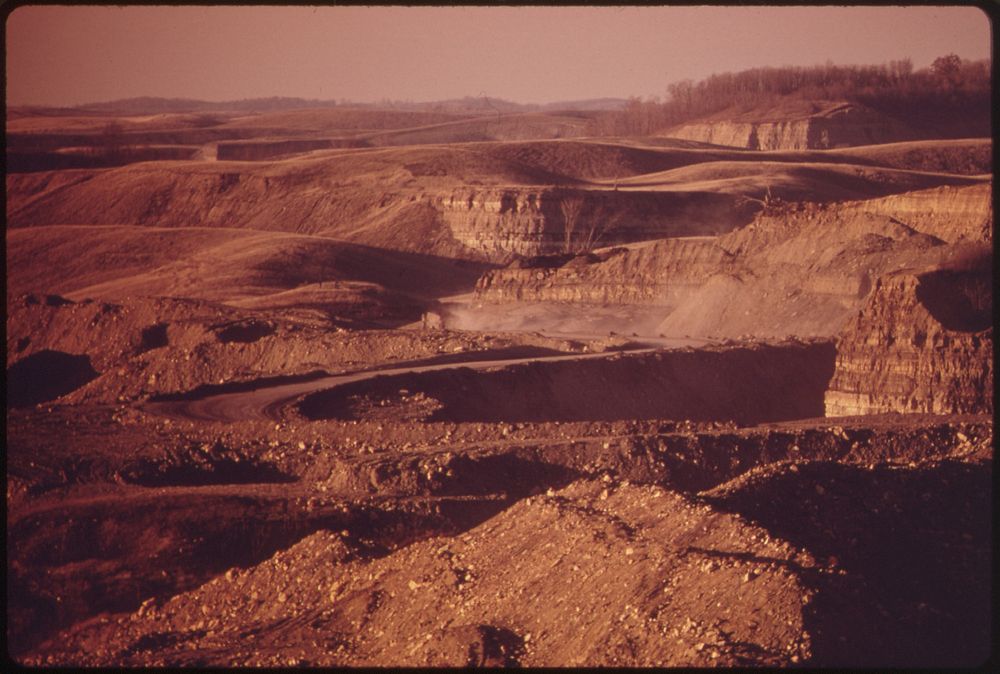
(800, 270)
(658, 274)
(502, 221)
(922, 343)
(841, 126)
(951, 214)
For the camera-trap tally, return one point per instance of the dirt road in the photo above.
(267, 401)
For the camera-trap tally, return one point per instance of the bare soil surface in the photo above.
(241, 430)
(385, 542)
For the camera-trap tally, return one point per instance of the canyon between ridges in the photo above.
(343, 387)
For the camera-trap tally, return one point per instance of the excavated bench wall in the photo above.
(501, 222)
(913, 349)
(660, 274)
(846, 126)
(746, 384)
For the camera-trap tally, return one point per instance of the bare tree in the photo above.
(581, 234)
(570, 206)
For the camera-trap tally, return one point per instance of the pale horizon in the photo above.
(530, 55)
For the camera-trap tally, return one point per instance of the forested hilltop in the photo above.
(951, 97)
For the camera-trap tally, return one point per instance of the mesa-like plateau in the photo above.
(360, 387)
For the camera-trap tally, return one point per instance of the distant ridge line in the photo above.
(155, 105)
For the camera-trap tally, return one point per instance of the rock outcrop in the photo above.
(502, 222)
(922, 343)
(949, 213)
(800, 269)
(659, 274)
(842, 125)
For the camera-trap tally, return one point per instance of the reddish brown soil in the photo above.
(831, 542)
(592, 505)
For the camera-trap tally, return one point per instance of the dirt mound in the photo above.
(794, 181)
(649, 556)
(231, 266)
(973, 156)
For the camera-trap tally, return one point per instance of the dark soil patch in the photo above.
(702, 385)
(904, 577)
(203, 470)
(47, 300)
(153, 337)
(46, 375)
(246, 332)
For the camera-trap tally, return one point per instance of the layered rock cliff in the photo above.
(503, 221)
(950, 213)
(922, 343)
(802, 269)
(842, 125)
(658, 274)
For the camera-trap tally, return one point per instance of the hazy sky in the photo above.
(70, 55)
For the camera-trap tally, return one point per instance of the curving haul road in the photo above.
(267, 401)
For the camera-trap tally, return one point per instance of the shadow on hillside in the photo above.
(904, 559)
(419, 275)
(46, 375)
(700, 385)
(960, 300)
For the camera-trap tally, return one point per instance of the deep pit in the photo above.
(723, 383)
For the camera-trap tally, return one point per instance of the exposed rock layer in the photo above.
(659, 274)
(923, 343)
(535, 221)
(845, 125)
(800, 270)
